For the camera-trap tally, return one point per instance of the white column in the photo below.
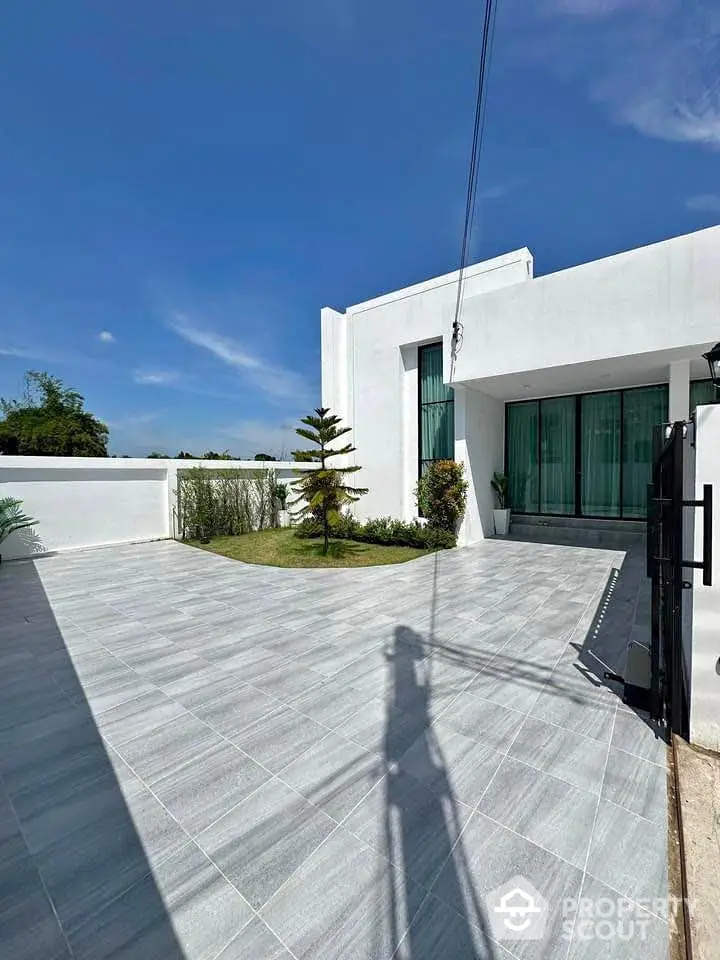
(465, 533)
(679, 401)
(705, 660)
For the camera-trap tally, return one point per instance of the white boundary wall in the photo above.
(92, 501)
(705, 664)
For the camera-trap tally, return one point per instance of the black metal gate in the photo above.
(669, 681)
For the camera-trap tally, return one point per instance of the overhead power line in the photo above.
(477, 140)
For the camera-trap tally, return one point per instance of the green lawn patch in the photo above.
(281, 548)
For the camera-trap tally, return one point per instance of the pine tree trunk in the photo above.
(326, 531)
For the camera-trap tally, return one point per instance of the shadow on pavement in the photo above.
(427, 845)
(70, 847)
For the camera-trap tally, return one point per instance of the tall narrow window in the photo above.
(600, 457)
(557, 455)
(522, 455)
(643, 409)
(437, 408)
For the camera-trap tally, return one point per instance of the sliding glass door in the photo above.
(522, 439)
(584, 455)
(600, 458)
(557, 455)
(643, 409)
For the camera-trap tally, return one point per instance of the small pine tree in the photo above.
(322, 492)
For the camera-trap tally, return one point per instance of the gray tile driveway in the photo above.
(205, 759)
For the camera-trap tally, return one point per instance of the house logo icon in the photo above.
(517, 911)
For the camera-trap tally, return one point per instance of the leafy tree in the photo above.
(264, 456)
(212, 455)
(157, 455)
(184, 455)
(322, 492)
(50, 421)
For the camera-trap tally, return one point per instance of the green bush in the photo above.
(385, 531)
(442, 495)
(213, 503)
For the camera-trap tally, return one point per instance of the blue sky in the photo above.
(184, 185)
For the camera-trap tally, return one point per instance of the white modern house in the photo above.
(557, 380)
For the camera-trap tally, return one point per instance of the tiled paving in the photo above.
(204, 759)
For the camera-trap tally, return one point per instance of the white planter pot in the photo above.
(284, 518)
(502, 522)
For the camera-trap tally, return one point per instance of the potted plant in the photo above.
(501, 516)
(11, 518)
(281, 495)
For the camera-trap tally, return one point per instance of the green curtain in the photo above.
(600, 454)
(703, 391)
(643, 410)
(432, 387)
(437, 432)
(522, 452)
(437, 408)
(557, 455)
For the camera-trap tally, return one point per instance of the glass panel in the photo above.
(432, 387)
(522, 447)
(557, 455)
(703, 391)
(437, 431)
(643, 409)
(600, 456)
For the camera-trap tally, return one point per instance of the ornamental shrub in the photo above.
(442, 495)
(383, 530)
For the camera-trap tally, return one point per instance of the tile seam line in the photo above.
(592, 835)
(193, 838)
(475, 809)
(36, 866)
(458, 839)
(118, 749)
(183, 766)
(289, 703)
(339, 825)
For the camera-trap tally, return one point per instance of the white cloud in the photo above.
(106, 337)
(650, 64)
(40, 353)
(597, 8)
(157, 378)
(709, 202)
(136, 420)
(19, 352)
(495, 192)
(278, 382)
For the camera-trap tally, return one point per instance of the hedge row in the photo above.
(384, 530)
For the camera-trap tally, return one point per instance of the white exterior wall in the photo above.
(87, 501)
(705, 664)
(641, 317)
(480, 446)
(656, 299)
(374, 345)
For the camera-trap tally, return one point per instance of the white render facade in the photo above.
(637, 319)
